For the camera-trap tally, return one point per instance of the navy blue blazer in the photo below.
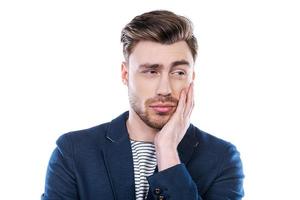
(97, 163)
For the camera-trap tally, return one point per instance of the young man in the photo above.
(152, 151)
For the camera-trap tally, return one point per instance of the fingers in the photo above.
(181, 103)
(186, 102)
(189, 102)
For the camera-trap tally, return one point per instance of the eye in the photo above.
(150, 72)
(179, 73)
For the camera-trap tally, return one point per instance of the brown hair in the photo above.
(160, 26)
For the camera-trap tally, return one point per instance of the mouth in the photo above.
(162, 108)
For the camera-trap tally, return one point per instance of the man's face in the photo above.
(155, 75)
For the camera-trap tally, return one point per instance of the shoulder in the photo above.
(214, 156)
(214, 149)
(210, 142)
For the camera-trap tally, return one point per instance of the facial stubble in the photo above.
(147, 116)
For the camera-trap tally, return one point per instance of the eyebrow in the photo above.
(173, 64)
(150, 66)
(180, 62)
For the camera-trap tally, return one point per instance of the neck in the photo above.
(138, 130)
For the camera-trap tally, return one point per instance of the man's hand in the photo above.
(167, 140)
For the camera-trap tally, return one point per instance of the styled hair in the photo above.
(160, 26)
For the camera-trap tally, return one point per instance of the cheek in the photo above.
(178, 86)
(143, 89)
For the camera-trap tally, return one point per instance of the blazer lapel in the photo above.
(118, 159)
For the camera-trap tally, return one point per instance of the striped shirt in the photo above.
(144, 163)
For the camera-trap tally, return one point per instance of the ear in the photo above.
(124, 73)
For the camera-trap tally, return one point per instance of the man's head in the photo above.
(160, 50)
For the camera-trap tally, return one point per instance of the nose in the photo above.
(164, 86)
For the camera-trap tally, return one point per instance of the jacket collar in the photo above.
(117, 130)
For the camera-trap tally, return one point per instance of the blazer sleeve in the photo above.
(173, 183)
(177, 184)
(60, 181)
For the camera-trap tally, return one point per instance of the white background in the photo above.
(60, 71)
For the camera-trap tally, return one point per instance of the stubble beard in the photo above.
(154, 120)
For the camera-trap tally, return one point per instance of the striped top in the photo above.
(144, 163)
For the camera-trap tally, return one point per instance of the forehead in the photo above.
(153, 52)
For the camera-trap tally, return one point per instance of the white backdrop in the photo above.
(60, 71)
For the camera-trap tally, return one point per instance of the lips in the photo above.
(162, 108)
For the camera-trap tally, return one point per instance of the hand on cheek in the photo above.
(167, 140)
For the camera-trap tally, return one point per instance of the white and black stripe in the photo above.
(144, 162)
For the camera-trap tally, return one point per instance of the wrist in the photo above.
(163, 146)
(166, 158)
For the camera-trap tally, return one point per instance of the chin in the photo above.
(158, 121)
